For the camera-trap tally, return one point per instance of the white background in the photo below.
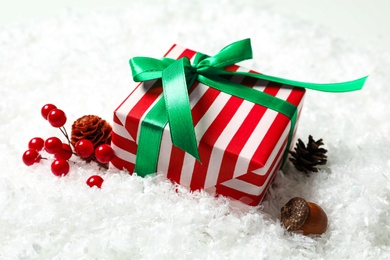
(365, 23)
(72, 63)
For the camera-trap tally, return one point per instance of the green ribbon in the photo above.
(174, 108)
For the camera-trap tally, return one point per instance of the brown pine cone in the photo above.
(93, 128)
(306, 158)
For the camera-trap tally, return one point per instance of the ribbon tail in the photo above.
(346, 86)
(178, 108)
(152, 128)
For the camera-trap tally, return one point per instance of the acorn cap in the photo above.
(294, 213)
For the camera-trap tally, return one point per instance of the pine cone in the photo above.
(93, 128)
(306, 158)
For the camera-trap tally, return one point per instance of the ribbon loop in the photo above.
(231, 54)
(145, 68)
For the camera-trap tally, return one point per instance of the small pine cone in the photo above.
(306, 158)
(93, 128)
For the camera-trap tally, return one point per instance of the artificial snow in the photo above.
(80, 63)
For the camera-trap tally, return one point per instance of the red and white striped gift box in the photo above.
(241, 144)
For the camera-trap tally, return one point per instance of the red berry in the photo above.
(56, 117)
(60, 167)
(84, 148)
(46, 110)
(36, 144)
(53, 145)
(95, 180)
(65, 152)
(30, 157)
(104, 153)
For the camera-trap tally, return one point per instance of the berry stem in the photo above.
(65, 133)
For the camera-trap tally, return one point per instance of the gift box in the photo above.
(241, 143)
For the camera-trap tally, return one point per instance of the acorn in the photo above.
(303, 216)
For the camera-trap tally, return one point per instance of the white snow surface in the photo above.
(80, 63)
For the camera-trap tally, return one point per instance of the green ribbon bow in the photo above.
(174, 108)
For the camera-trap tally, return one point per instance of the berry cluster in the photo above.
(62, 152)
